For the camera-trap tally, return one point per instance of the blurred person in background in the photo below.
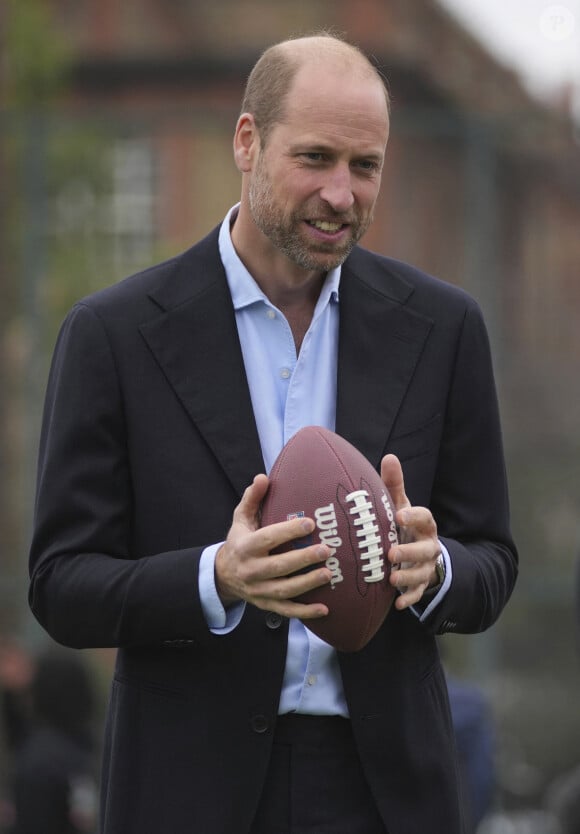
(53, 754)
(16, 674)
(563, 795)
(170, 391)
(475, 734)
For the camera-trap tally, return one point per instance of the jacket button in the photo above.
(260, 723)
(273, 620)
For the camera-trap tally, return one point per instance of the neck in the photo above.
(299, 316)
(286, 284)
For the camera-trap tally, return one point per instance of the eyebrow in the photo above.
(319, 147)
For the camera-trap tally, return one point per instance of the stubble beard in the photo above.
(284, 231)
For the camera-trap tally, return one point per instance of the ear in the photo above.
(246, 143)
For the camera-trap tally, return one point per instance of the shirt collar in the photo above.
(243, 288)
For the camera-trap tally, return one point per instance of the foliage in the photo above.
(36, 57)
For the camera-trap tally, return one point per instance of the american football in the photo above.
(320, 475)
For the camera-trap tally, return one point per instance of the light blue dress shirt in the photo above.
(288, 392)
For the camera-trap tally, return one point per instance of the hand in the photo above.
(413, 559)
(245, 570)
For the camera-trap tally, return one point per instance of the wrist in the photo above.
(223, 591)
(439, 569)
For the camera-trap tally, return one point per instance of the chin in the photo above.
(327, 260)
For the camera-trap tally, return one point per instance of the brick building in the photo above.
(478, 174)
(481, 187)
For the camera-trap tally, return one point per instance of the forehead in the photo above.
(336, 104)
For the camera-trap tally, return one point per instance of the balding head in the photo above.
(271, 79)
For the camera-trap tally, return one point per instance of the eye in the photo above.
(314, 156)
(369, 166)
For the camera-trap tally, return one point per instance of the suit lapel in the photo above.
(380, 343)
(195, 341)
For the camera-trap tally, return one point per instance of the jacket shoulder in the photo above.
(406, 283)
(166, 284)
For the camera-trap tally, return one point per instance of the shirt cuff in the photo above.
(436, 600)
(219, 619)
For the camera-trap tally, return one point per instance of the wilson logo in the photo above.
(392, 535)
(325, 518)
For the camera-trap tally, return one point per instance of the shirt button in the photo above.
(271, 313)
(260, 724)
(273, 620)
(285, 373)
(311, 680)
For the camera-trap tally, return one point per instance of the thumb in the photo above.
(392, 476)
(247, 511)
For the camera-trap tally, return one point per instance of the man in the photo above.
(170, 396)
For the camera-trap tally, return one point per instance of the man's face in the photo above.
(314, 185)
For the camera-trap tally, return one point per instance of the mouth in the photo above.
(327, 226)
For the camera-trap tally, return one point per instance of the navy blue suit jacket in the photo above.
(148, 442)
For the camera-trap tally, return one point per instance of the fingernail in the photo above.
(308, 525)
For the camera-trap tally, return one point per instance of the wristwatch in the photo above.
(440, 571)
(429, 593)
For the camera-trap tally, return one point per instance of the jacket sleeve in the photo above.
(88, 588)
(470, 495)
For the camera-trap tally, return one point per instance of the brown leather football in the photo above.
(320, 475)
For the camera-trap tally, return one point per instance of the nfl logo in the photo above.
(305, 541)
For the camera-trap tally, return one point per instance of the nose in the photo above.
(337, 188)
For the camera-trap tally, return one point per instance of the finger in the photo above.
(421, 520)
(279, 592)
(392, 476)
(291, 609)
(280, 533)
(410, 597)
(288, 563)
(419, 552)
(248, 509)
(245, 559)
(412, 575)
